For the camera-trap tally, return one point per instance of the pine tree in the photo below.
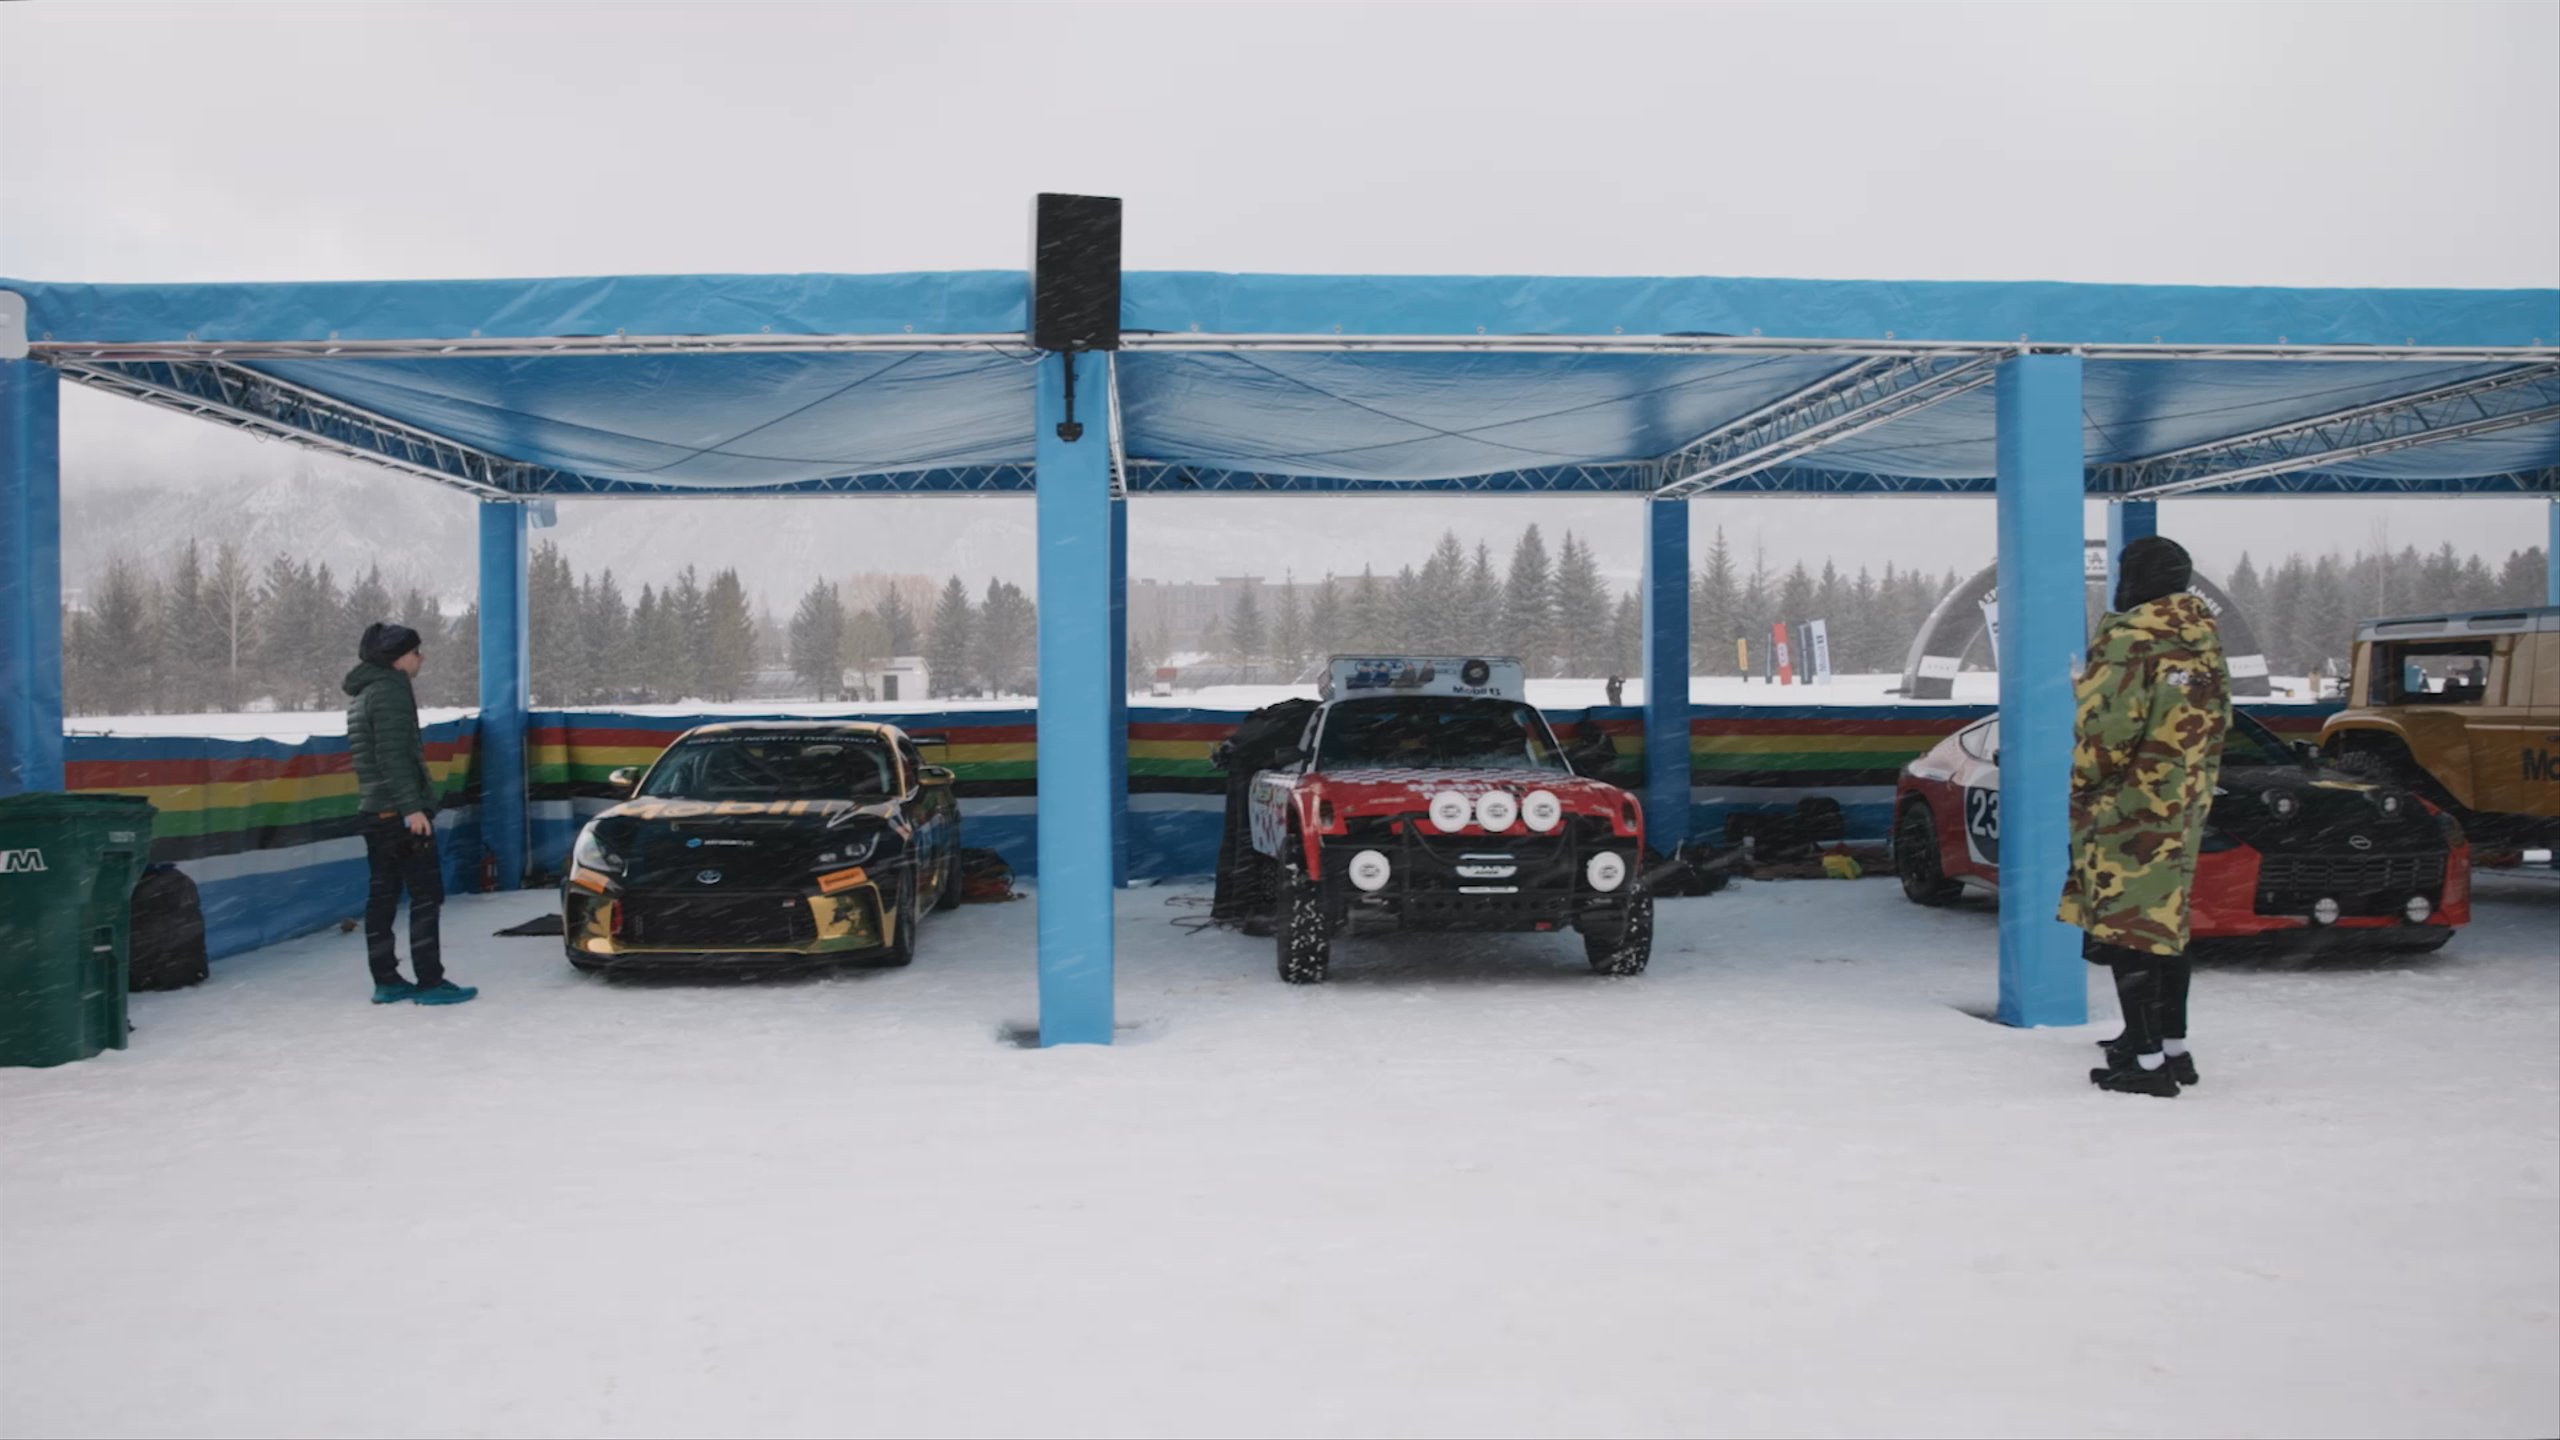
(1325, 620)
(1404, 612)
(1366, 622)
(1714, 605)
(1289, 633)
(816, 641)
(1582, 610)
(188, 642)
(900, 621)
(463, 644)
(1008, 629)
(122, 643)
(1245, 639)
(606, 624)
(690, 624)
(2522, 580)
(368, 601)
(1439, 606)
(1480, 615)
(729, 646)
(866, 648)
(1795, 605)
(231, 612)
(1626, 638)
(946, 648)
(1529, 606)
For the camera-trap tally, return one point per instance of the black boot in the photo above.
(2181, 1068)
(2132, 1079)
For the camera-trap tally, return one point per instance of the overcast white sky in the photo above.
(2268, 144)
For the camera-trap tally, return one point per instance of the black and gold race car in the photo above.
(767, 843)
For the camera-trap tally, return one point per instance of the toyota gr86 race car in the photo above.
(805, 841)
(2289, 847)
(1428, 793)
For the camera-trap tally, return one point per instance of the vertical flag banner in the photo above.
(1778, 651)
(1817, 634)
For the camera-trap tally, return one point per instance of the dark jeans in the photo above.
(2151, 988)
(399, 859)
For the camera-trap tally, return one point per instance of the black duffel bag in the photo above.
(168, 932)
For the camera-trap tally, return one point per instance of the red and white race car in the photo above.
(1427, 792)
(2288, 847)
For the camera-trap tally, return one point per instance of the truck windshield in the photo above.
(772, 767)
(1436, 732)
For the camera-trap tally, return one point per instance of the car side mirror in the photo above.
(1283, 759)
(626, 779)
(2309, 750)
(935, 775)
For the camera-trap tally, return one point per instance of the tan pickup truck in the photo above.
(2465, 710)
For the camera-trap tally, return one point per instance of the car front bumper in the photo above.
(633, 928)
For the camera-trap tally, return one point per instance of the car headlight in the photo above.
(590, 852)
(852, 850)
(1449, 812)
(1541, 810)
(1606, 871)
(1495, 810)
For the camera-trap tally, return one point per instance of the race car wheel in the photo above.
(902, 951)
(1624, 949)
(948, 896)
(1303, 936)
(1915, 858)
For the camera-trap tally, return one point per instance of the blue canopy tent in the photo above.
(1660, 389)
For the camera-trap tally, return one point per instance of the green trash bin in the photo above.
(68, 864)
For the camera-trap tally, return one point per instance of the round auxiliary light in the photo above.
(2284, 804)
(1495, 810)
(1541, 810)
(1606, 871)
(2417, 909)
(2388, 802)
(1369, 870)
(1475, 672)
(2325, 910)
(1449, 812)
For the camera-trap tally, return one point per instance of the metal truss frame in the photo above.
(2482, 405)
(1844, 403)
(1756, 454)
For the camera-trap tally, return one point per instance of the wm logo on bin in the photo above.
(21, 862)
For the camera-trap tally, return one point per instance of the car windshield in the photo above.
(772, 767)
(1436, 732)
(2249, 743)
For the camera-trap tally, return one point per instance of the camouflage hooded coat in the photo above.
(2155, 700)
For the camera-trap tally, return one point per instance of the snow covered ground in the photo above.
(1783, 1184)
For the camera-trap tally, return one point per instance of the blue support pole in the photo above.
(30, 577)
(504, 688)
(2043, 980)
(1120, 693)
(1073, 498)
(2127, 521)
(2551, 559)
(1666, 674)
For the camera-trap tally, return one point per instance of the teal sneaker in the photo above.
(445, 992)
(394, 994)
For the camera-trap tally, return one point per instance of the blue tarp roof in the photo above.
(692, 421)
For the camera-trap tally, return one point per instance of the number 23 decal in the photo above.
(1982, 824)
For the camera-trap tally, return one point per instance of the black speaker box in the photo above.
(1075, 273)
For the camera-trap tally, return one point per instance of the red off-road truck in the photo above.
(1428, 793)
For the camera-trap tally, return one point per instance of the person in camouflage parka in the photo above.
(2155, 700)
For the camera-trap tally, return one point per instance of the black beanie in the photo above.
(2150, 568)
(385, 642)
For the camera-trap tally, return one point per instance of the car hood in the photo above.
(2333, 811)
(747, 843)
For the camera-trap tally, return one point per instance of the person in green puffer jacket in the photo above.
(2155, 702)
(396, 800)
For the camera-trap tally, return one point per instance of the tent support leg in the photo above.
(1072, 494)
(1666, 674)
(505, 688)
(30, 577)
(2551, 559)
(1120, 692)
(2043, 980)
(2127, 521)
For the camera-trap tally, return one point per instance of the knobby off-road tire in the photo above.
(1300, 932)
(1627, 948)
(1915, 858)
